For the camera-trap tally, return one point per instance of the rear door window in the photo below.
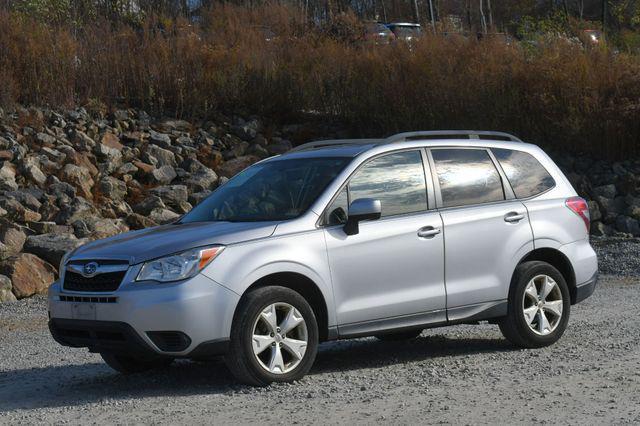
(526, 175)
(467, 176)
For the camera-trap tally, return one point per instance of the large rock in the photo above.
(138, 221)
(161, 139)
(163, 157)
(6, 295)
(78, 209)
(201, 177)
(163, 216)
(174, 196)
(8, 177)
(52, 247)
(235, 166)
(29, 274)
(112, 188)
(164, 175)
(16, 211)
(31, 168)
(12, 238)
(98, 228)
(79, 178)
(628, 225)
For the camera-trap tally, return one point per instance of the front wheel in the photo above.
(128, 364)
(274, 337)
(539, 305)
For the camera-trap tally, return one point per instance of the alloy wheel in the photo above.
(279, 338)
(542, 305)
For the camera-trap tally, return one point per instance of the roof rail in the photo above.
(449, 134)
(332, 142)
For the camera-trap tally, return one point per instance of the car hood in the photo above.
(151, 243)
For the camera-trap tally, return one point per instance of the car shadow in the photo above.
(77, 384)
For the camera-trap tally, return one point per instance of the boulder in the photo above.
(197, 197)
(17, 212)
(111, 141)
(12, 238)
(28, 273)
(52, 247)
(79, 178)
(112, 188)
(248, 130)
(628, 225)
(607, 191)
(163, 216)
(235, 166)
(78, 209)
(98, 228)
(8, 177)
(148, 204)
(138, 221)
(160, 139)
(31, 168)
(173, 196)
(164, 175)
(163, 157)
(6, 295)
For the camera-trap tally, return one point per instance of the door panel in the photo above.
(483, 249)
(387, 270)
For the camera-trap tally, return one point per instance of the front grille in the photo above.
(87, 299)
(109, 281)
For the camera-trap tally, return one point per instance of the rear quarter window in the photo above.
(525, 174)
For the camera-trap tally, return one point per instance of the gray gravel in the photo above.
(462, 374)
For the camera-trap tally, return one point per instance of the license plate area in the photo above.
(83, 311)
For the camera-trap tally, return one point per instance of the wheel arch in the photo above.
(304, 286)
(558, 260)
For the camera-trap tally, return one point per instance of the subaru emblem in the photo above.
(90, 269)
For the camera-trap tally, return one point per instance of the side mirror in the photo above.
(359, 210)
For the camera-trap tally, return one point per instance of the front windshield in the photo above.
(270, 191)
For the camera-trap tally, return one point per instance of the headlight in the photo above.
(178, 266)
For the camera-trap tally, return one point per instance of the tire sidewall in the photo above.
(526, 275)
(248, 317)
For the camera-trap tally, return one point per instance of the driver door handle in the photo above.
(428, 232)
(513, 217)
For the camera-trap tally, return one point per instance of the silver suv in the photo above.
(338, 239)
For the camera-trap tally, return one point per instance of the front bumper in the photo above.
(185, 319)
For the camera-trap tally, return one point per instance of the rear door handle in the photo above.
(428, 232)
(513, 217)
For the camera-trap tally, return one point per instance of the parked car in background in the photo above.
(406, 31)
(338, 239)
(377, 33)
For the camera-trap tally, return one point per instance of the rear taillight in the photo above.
(580, 207)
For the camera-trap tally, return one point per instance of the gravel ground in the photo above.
(462, 374)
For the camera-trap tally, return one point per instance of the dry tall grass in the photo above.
(560, 95)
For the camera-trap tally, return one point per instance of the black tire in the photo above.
(129, 365)
(514, 326)
(398, 336)
(240, 357)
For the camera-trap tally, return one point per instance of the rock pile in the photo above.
(68, 178)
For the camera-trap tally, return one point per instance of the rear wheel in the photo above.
(274, 337)
(397, 336)
(128, 364)
(539, 305)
